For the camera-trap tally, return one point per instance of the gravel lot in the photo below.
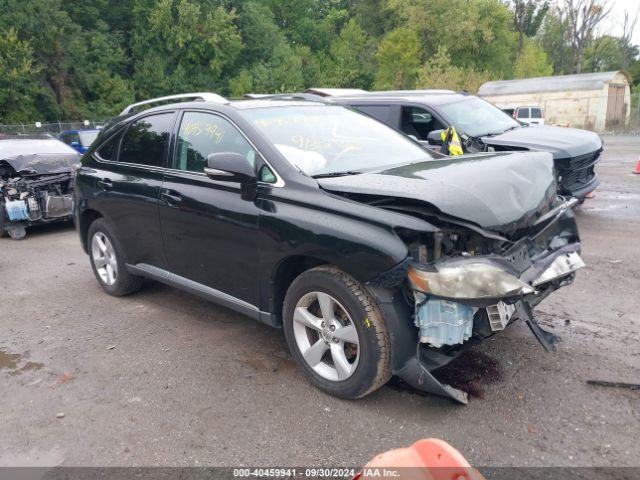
(164, 378)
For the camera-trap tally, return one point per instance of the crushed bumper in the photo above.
(546, 274)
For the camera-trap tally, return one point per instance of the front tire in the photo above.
(3, 221)
(107, 261)
(336, 333)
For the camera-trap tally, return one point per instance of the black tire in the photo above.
(125, 282)
(3, 221)
(373, 369)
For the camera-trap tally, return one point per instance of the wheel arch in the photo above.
(283, 275)
(86, 218)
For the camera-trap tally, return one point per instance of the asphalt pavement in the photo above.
(165, 378)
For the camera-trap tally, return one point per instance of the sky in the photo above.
(613, 24)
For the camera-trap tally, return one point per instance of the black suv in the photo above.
(482, 126)
(375, 257)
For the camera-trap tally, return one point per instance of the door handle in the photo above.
(105, 184)
(170, 197)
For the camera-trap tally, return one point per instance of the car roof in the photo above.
(427, 97)
(238, 105)
(267, 103)
(242, 104)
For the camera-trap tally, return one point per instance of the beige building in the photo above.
(595, 101)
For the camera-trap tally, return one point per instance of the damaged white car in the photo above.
(36, 174)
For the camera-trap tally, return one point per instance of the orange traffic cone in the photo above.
(637, 169)
(427, 459)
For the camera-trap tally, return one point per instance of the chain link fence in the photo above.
(54, 129)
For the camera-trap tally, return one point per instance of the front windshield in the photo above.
(325, 139)
(87, 137)
(476, 117)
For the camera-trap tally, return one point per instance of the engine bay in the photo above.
(33, 199)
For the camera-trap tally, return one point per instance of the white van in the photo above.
(529, 115)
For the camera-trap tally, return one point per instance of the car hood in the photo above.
(502, 192)
(44, 163)
(562, 142)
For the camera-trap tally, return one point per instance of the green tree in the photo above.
(182, 45)
(52, 37)
(478, 34)
(527, 18)
(398, 59)
(375, 17)
(532, 62)
(17, 92)
(602, 54)
(554, 40)
(350, 58)
(439, 72)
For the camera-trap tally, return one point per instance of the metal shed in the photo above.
(597, 101)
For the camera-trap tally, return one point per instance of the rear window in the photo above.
(378, 112)
(536, 113)
(145, 141)
(523, 113)
(87, 137)
(110, 148)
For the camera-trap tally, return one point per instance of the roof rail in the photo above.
(311, 97)
(335, 92)
(202, 96)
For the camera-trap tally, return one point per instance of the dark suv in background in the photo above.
(375, 257)
(482, 126)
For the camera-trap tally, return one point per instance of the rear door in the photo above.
(523, 115)
(209, 231)
(128, 180)
(536, 116)
(383, 113)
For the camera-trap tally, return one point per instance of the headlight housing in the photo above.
(466, 280)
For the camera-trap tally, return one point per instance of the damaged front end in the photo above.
(464, 288)
(35, 189)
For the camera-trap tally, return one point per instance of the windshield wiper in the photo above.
(335, 174)
(493, 134)
(512, 128)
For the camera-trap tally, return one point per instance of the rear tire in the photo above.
(108, 261)
(353, 332)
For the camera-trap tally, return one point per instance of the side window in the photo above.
(379, 112)
(66, 138)
(108, 150)
(418, 122)
(536, 113)
(145, 141)
(202, 134)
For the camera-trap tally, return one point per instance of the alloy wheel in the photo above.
(104, 258)
(326, 336)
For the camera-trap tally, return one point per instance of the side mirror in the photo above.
(229, 167)
(435, 137)
(75, 144)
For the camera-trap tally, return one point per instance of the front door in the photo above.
(209, 232)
